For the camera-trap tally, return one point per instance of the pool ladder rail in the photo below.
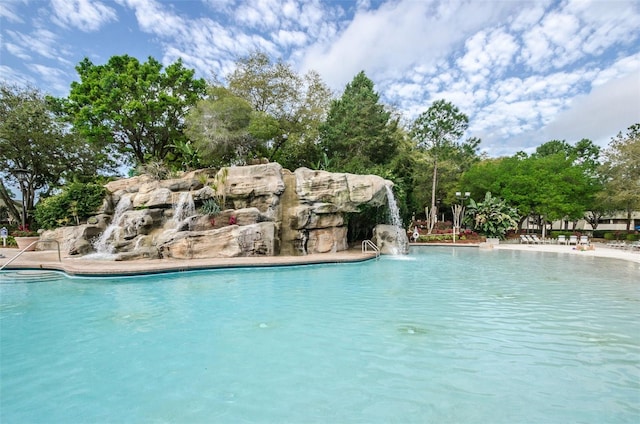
(368, 244)
(28, 247)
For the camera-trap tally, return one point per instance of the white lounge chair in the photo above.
(573, 240)
(617, 244)
(524, 239)
(584, 240)
(534, 238)
(562, 239)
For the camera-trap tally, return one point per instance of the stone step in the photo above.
(29, 276)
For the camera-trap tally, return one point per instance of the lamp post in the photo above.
(22, 175)
(458, 211)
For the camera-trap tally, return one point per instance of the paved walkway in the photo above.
(601, 250)
(78, 266)
(48, 259)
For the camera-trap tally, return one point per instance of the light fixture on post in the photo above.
(22, 176)
(458, 211)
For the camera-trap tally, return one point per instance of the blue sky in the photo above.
(525, 72)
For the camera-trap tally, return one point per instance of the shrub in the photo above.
(609, 236)
(493, 217)
(632, 237)
(555, 234)
(157, 170)
(210, 207)
(76, 202)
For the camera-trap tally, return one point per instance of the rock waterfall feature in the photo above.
(261, 210)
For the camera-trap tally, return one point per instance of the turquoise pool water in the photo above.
(443, 335)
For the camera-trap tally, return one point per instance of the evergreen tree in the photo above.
(359, 133)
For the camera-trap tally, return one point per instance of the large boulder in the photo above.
(391, 240)
(343, 192)
(226, 242)
(76, 240)
(256, 186)
(266, 210)
(324, 240)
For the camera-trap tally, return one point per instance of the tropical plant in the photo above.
(210, 207)
(157, 170)
(492, 217)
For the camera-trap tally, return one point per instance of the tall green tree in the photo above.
(359, 133)
(555, 182)
(133, 109)
(438, 131)
(622, 170)
(288, 108)
(34, 140)
(219, 127)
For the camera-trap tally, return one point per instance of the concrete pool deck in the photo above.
(48, 260)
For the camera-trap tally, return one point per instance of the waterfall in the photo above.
(401, 240)
(102, 246)
(393, 208)
(183, 209)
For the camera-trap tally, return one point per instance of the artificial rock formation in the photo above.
(265, 210)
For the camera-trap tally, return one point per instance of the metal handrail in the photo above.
(27, 248)
(369, 244)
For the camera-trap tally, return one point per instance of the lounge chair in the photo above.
(562, 239)
(617, 244)
(534, 238)
(573, 240)
(584, 240)
(524, 239)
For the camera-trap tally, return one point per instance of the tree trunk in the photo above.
(434, 211)
(11, 207)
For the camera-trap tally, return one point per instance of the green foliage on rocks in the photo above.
(74, 204)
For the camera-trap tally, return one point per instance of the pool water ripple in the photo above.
(446, 336)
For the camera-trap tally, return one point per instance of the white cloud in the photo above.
(290, 38)
(8, 10)
(624, 66)
(41, 41)
(154, 19)
(397, 37)
(13, 76)
(259, 14)
(607, 109)
(17, 51)
(488, 54)
(85, 15)
(606, 23)
(55, 78)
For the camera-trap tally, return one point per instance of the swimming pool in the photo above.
(442, 335)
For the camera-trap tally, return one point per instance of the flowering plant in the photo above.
(23, 231)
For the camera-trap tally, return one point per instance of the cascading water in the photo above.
(183, 209)
(401, 237)
(393, 208)
(103, 246)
